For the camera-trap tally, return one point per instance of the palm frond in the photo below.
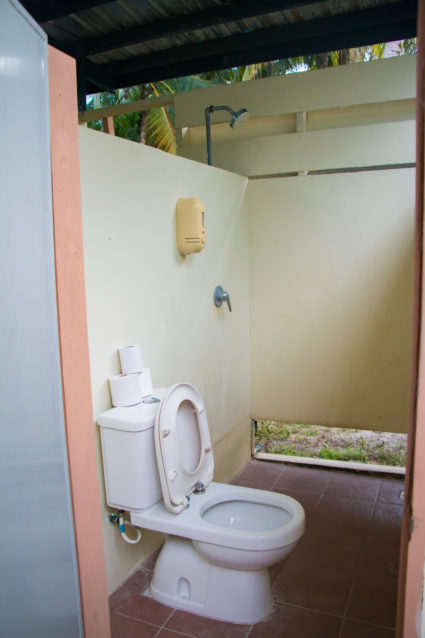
(159, 131)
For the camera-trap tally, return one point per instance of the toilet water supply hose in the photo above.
(122, 524)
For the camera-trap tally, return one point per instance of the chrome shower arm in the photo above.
(208, 111)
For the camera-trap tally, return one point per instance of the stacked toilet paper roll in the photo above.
(131, 359)
(125, 390)
(135, 382)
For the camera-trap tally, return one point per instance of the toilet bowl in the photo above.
(220, 538)
(271, 524)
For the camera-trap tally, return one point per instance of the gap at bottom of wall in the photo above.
(331, 446)
(342, 465)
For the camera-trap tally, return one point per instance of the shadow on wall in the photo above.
(331, 299)
(354, 348)
(379, 354)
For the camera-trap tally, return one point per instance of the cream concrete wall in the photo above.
(331, 298)
(339, 117)
(351, 147)
(141, 290)
(342, 86)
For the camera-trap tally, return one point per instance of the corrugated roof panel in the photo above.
(125, 14)
(135, 28)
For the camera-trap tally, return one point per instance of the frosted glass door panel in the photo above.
(39, 595)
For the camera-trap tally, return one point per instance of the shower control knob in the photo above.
(221, 296)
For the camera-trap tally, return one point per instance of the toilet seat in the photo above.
(182, 445)
(192, 524)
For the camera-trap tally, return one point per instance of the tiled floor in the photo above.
(339, 582)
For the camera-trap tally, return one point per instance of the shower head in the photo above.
(239, 118)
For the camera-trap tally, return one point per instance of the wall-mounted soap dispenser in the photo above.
(190, 217)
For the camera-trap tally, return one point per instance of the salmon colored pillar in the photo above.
(412, 555)
(73, 343)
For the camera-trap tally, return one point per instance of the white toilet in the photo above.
(158, 465)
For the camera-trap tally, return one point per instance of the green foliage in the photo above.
(156, 127)
(289, 450)
(273, 430)
(407, 47)
(335, 443)
(346, 454)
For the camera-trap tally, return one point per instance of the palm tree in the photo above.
(156, 127)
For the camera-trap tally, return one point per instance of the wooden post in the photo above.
(412, 551)
(73, 344)
(108, 125)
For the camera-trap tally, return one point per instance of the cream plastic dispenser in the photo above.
(190, 219)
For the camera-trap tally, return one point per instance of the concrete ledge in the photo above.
(343, 465)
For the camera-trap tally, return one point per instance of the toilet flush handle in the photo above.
(199, 488)
(221, 295)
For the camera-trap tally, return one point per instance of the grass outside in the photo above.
(340, 444)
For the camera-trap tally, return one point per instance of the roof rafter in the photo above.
(186, 23)
(318, 44)
(276, 37)
(53, 9)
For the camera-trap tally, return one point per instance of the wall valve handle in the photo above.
(221, 296)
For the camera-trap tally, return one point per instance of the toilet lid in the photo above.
(182, 445)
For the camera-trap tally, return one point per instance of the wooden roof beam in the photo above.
(54, 9)
(125, 108)
(231, 48)
(186, 23)
(290, 49)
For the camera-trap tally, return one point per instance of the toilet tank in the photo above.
(129, 459)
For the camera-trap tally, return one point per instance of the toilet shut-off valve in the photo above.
(117, 518)
(221, 296)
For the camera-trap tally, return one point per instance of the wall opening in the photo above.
(385, 451)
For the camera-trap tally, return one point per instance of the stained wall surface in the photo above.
(331, 298)
(140, 290)
(318, 266)
(330, 158)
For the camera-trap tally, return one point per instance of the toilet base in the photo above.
(185, 580)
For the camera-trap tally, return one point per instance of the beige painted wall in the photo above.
(140, 290)
(339, 117)
(331, 298)
(325, 260)
(341, 86)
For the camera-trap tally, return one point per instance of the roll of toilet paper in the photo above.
(125, 389)
(131, 359)
(146, 382)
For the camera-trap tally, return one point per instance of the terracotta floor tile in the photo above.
(341, 511)
(373, 600)
(385, 528)
(205, 627)
(353, 486)
(259, 474)
(302, 478)
(169, 633)
(318, 587)
(134, 585)
(346, 529)
(352, 629)
(293, 622)
(122, 627)
(379, 561)
(308, 500)
(390, 491)
(142, 607)
(326, 547)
